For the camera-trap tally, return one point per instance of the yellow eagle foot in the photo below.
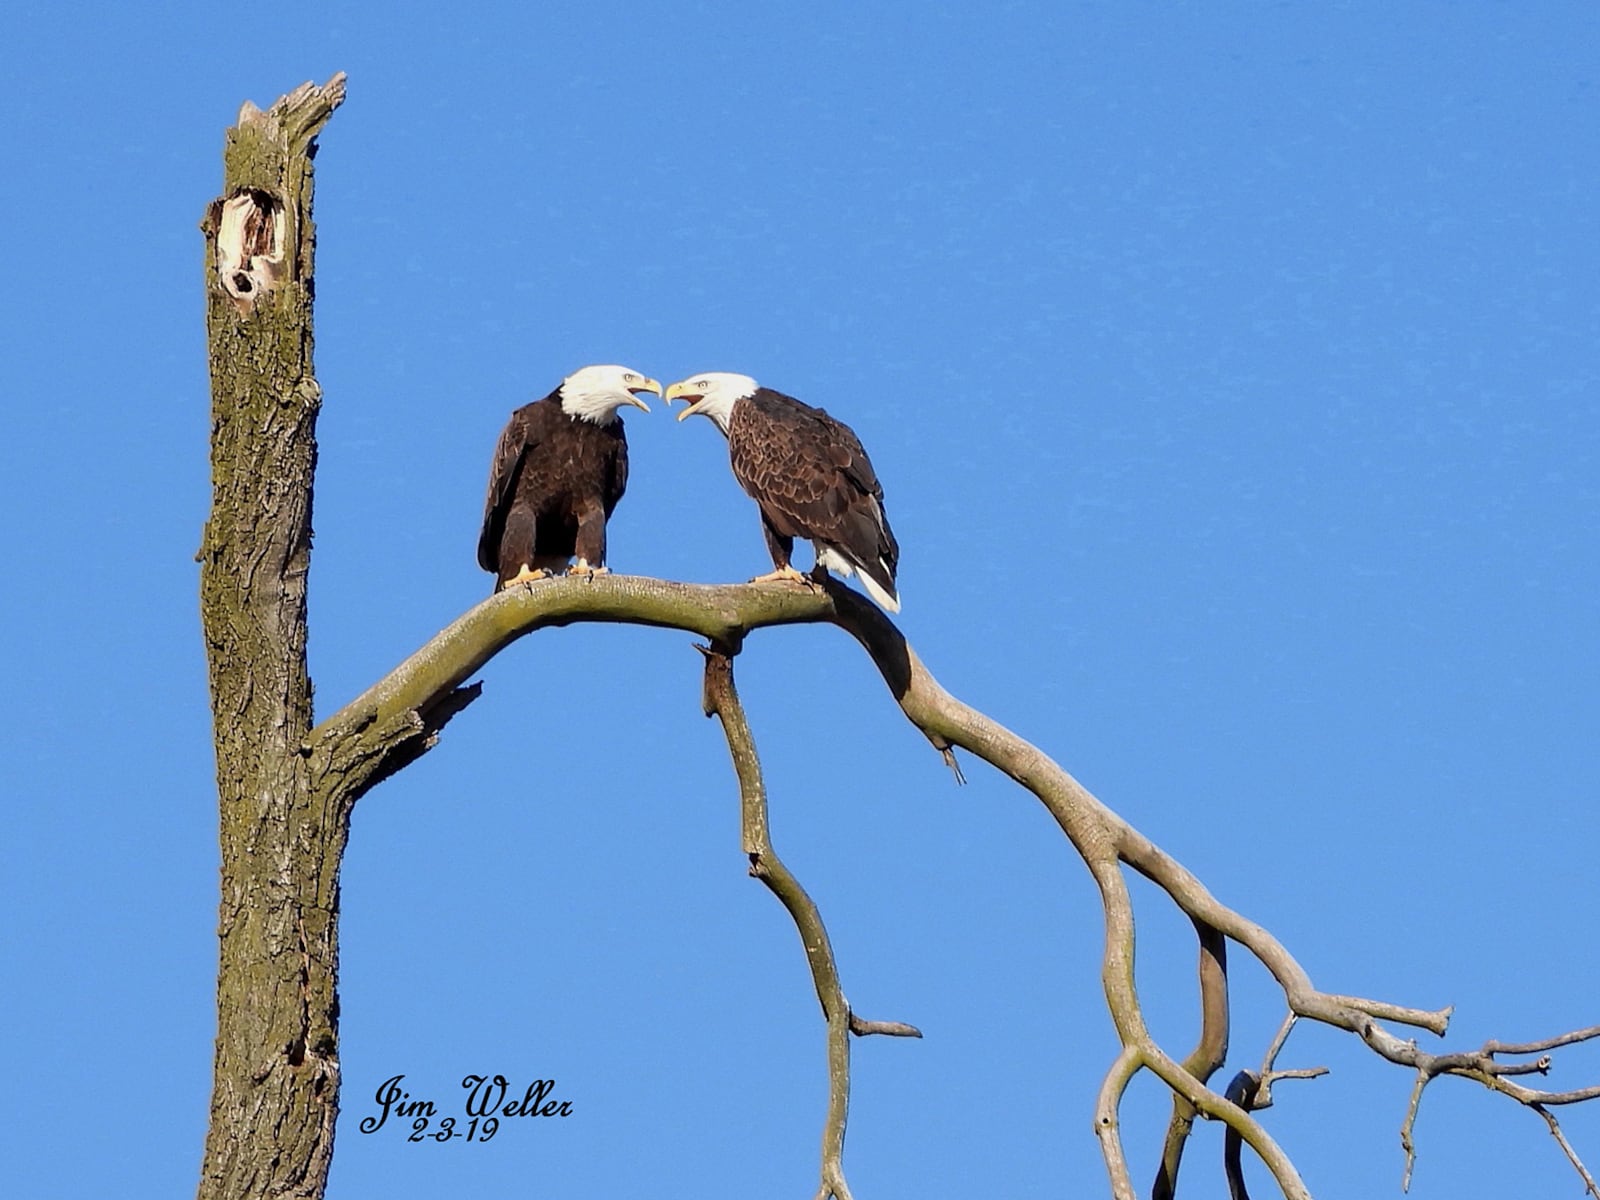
(782, 575)
(525, 575)
(582, 567)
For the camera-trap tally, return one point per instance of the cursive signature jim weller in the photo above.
(488, 1100)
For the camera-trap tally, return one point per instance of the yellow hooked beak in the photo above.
(683, 391)
(644, 385)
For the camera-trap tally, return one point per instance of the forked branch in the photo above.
(1483, 1066)
(1108, 844)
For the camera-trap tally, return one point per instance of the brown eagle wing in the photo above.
(810, 474)
(518, 437)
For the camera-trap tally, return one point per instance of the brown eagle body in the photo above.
(553, 485)
(808, 474)
(811, 479)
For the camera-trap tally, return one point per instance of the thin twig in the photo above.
(1407, 1142)
(1566, 1147)
(1270, 1058)
(1565, 1039)
(1269, 1073)
(1482, 1066)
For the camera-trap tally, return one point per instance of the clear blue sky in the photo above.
(1232, 371)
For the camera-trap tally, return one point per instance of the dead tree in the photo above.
(286, 785)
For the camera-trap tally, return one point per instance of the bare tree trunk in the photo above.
(276, 1083)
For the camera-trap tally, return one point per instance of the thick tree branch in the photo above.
(725, 614)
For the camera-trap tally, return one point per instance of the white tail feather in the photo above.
(836, 562)
(885, 599)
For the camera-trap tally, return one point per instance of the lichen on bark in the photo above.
(276, 1074)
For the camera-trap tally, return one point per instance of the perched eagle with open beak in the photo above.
(559, 469)
(809, 475)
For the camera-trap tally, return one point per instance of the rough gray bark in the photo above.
(275, 1084)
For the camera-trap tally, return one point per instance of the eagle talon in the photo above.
(582, 567)
(525, 575)
(782, 575)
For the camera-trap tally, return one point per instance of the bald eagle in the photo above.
(559, 469)
(809, 475)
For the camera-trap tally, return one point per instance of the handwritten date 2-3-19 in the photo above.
(447, 1130)
(489, 1099)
